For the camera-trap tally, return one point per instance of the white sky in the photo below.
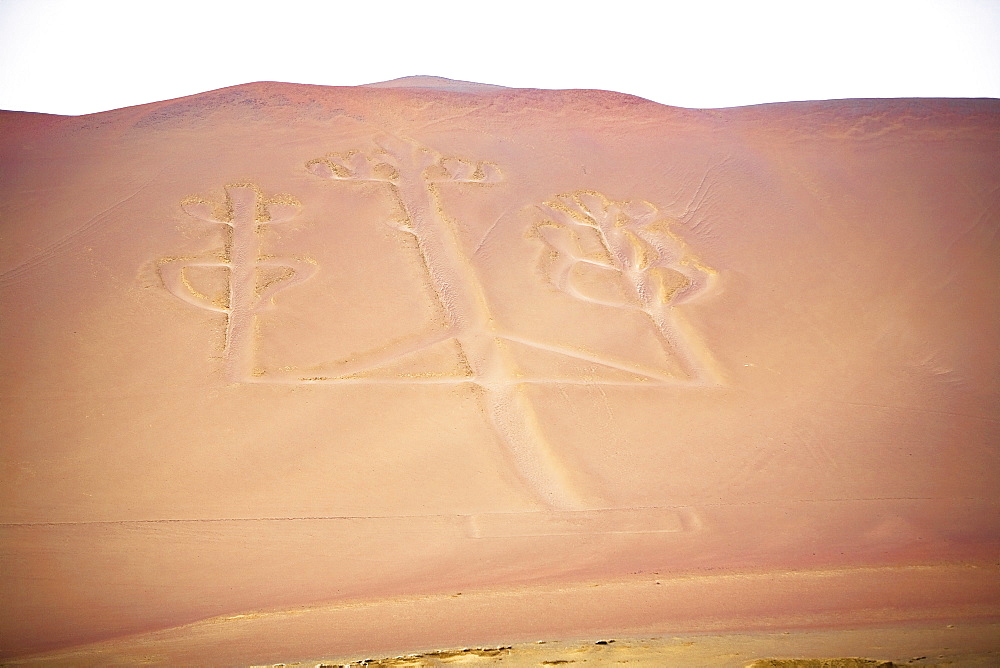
(83, 56)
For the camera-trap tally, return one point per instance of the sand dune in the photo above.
(332, 356)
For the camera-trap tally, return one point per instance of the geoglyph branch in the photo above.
(253, 278)
(623, 254)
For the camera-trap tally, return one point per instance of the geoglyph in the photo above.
(620, 255)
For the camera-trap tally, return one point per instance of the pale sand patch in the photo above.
(917, 646)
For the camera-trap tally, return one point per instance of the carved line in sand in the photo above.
(583, 522)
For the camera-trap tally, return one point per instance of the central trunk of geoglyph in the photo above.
(469, 321)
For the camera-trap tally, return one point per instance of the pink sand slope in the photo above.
(322, 371)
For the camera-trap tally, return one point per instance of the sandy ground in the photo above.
(445, 365)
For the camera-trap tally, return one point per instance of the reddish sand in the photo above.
(599, 364)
